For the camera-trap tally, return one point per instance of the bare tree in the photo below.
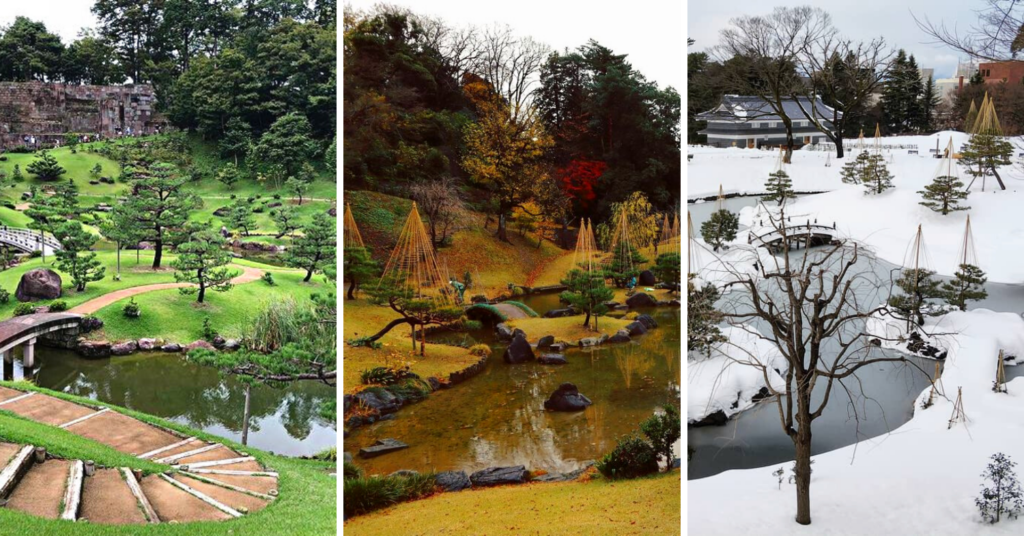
(769, 49)
(997, 36)
(439, 201)
(844, 74)
(511, 64)
(812, 306)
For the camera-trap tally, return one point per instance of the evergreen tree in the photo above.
(930, 100)
(316, 247)
(241, 217)
(76, 257)
(779, 187)
(228, 174)
(720, 228)
(121, 230)
(16, 175)
(236, 140)
(1001, 492)
(202, 261)
(298, 187)
(968, 284)
(901, 94)
(702, 319)
(284, 147)
(358, 266)
(287, 220)
(918, 287)
(853, 170)
(984, 154)
(46, 167)
(158, 208)
(877, 178)
(625, 265)
(586, 292)
(669, 269)
(944, 194)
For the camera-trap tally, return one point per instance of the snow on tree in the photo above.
(720, 228)
(853, 170)
(918, 287)
(779, 187)
(1000, 492)
(968, 284)
(877, 178)
(702, 319)
(944, 194)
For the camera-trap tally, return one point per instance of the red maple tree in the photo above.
(579, 177)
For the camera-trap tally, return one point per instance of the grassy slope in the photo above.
(599, 507)
(306, 505)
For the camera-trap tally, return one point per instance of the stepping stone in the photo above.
(123, 433)
(41, 491)
(382, 446)
(48, 410)
(107, 500)
(231, 498)
(173, 504)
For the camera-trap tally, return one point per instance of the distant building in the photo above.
(742, 121)
(948, 88)
(1010, 72)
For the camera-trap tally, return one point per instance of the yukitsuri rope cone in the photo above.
(669, 240)
(987, 121)
(352, 236)
(622, 241)
(693, 257)
(413, 265)
(584, 256)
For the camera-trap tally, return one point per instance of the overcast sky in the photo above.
(861, 20)
(62, 17)
(648, 31)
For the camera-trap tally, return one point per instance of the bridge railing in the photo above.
(27, 238)
(791, 232)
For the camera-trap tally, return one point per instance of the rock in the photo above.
(552, 359)
(479, 298)
(199, 344)
(611, 305)
(558, 347)
(647, 321)
(496, 476)
(94, 182)
(222, 212)
(636, 328)
(93, 348)
(38, 284)
(602, 339)
(90, 323)
(382, 446)
(589, 341)
(405, 473)
(218, 342)
(452, 480)
(348, 458)
(675, 303)
(124, 348)
(620, 336)
(559, 313)
(232, 344)
(147, 344)
(567, 398)
(25, 196)
(171, 347)
(504, 332)
(434, 383)
(519, 351)
(381, 400)
(641, 299)
(717, 418)
(545, 341)
(274, 204)
(646, 278)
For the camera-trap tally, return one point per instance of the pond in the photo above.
(498, 418)
(283, 421)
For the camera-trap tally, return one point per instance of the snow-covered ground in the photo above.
(920, 479)
(728, 380)
(887, 222)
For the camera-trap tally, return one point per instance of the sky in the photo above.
(648, 31)
(62, 17)
(861, 20)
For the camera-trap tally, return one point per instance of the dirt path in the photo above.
(248, 275)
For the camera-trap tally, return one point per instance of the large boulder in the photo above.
(519, 350)
(646, 278)
(38, 284)
(552, 359)
(641, 299)
(497, 476)
(452, 480)
(93, 348)
(647, 321)
(147, 344)
(559, 313)
(381, 400)
(503, 332)
(567, 398)
(636, 328)
(620, 336)
(90, 323)
(171, 347)
(124, 348)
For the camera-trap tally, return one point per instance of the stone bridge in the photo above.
(27, 240)
(806, 235)
(24, 330)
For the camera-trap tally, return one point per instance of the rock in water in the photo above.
(496, 476)
(382, 446)
(647, 321)
(545, 342)
(124, 348)
(567, 398)
(646, 278)
(452, 480)
(636, 328)
(38, 284)
(519, 351)
(620, 336)
(641, 299)
(503, 331)
(552, 359)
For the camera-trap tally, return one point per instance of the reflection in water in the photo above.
(498, 418)
(284, 421)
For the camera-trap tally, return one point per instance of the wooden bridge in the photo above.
(24, 330)
(27, 240)
(806, 235)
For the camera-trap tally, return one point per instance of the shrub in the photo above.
(351, 470)
(364, 495)
(131, 309)
(58, 306)
(481, 350)
(35, 254)
(208, 332)
(632, 457)
(663, 431)
(384, 375)
(5, 296)
(268, 278)
(1005, 495)
(23, 309)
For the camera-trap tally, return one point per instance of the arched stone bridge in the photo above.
(27, 240)
(806, 235)
(24, 330)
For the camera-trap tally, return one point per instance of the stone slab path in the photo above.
(204, 481)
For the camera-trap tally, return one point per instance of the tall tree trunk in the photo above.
(309, 274)
(998, 178)
(245, 416)
(802, 441)
(352, 289)
(158, 253)
(423, 340)
(839, 146)
(586, 321)
(119, 260)
(202, 286)
(502, 231)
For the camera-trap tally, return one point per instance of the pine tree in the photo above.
(358, 266)
(202, 261)
(779, 187)
(720, 228)
(76, 257)
(877, 178)
(944, 194)
(930, 100)
(968, 284)
(702, 319)
(1005, 495)
(241, 217)
(159, 208)
(228, 174)
(46, 167)
(587, 292)
(669, 269)
(624, 265)
(316, 247)
(918, 287)
(287, 220)
(853, 170)
(985, 152)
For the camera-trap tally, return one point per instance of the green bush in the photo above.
(35, 254)
(58, 306)
(5, 296)
(131, 309)
(663, 431)
(351, 470)
(23, 309)
(384, 375)
(632, 457)
(481, 350)
(268, 278)
(364, 495)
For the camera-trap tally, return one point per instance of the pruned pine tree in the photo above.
(984, 154)
(1000, 492)
(720, 228)
(779, 187)
(853, 170)
(877, 178)
(76, 257)
(944, 194)
(202, 261)
(587, 292)
(702, 319)
(968, 284)
(918, 287)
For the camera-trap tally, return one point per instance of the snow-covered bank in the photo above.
(920, 479)
(887, 222)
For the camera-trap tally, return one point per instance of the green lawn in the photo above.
(306, 505)
(175, 317)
